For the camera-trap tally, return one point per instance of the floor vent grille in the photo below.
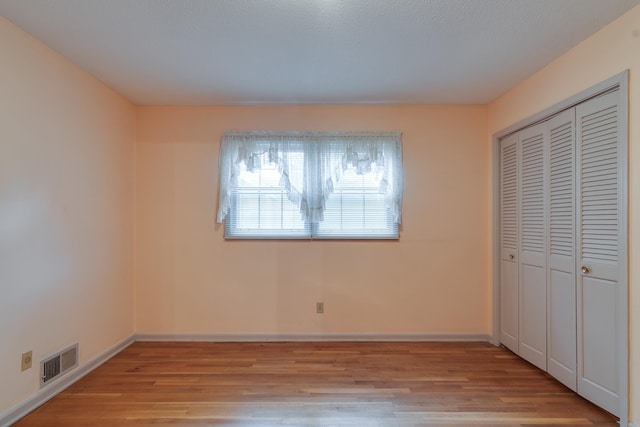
(58, 364)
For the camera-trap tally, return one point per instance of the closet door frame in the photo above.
(620, 82)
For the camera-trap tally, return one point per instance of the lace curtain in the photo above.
(311, 163)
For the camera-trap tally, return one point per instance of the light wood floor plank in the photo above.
(317, 384)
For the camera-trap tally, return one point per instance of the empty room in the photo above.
(319, 212)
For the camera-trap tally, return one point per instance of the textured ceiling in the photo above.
(199, 52)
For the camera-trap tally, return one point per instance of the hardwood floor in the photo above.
(317, 384)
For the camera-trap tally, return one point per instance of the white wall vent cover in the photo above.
(58, 364)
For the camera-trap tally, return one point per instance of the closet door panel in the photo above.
(562, 322)
(600, 214)
(509, 243)
(598, 344)
(533, 326)
(509, 304)
(561, 279)
(532, 266)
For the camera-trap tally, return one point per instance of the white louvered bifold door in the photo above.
(561, 276)
(532, 266)
(600, 224)
(509, 242)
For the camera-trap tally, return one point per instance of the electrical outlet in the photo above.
(319, 307)
(27, 360)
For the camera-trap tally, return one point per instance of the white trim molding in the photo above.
(313, 337)
(44, 394)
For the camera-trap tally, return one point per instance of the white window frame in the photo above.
(328, 157)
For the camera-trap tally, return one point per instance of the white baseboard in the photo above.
(44, 394)
(312, 337)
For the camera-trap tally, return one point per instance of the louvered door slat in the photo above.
(509, 198)
(599, 167)
(561, 227)
(532, 190)
(600, 145)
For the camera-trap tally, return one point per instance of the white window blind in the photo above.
(311, 185)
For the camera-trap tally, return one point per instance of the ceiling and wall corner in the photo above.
(202, 52)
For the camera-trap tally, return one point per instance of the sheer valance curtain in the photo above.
(311, 163)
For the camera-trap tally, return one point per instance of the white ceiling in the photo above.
(199, 52)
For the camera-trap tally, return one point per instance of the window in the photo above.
(310, 185)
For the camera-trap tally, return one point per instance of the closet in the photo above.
(562, 247)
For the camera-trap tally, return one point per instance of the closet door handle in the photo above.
(511, 256)
(585, 269)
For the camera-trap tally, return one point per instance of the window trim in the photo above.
(310, 231)
(250, 150)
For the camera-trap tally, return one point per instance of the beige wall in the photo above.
(434, 280)
(66, 211)
(610, 51)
